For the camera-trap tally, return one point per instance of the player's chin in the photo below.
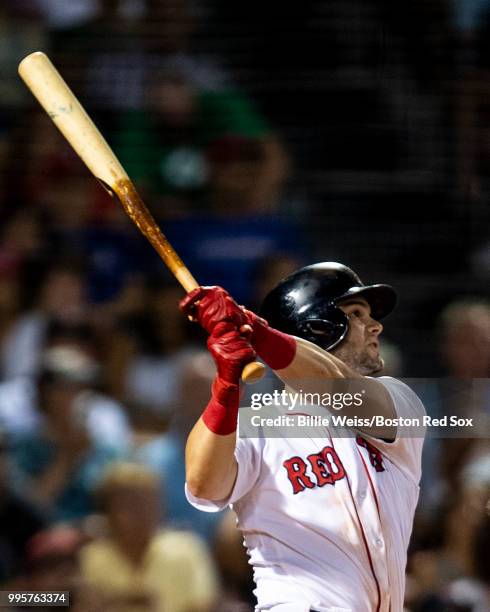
(379, 366)
(372, 365)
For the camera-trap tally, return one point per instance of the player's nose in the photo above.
(374, 327)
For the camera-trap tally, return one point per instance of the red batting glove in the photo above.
(231, 352)
(212, 305)
(276, 348)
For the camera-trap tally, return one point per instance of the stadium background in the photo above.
(262, 136)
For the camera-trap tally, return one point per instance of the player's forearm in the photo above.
(211, 467)
(276, 348)
(310, 363)
(294, 357)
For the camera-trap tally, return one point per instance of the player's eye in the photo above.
(358, 313)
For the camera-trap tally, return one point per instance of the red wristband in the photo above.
(221, 414)
(276, 348)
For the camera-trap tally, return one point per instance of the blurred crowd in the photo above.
(373, 150)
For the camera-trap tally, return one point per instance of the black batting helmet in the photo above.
(305, 304)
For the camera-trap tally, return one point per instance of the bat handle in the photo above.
(253, 372)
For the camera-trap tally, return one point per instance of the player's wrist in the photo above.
(276, 348)
(228, 373)
(225, 392)
(221, 414)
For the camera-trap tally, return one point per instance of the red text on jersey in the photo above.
(325, 466)
(375, 457)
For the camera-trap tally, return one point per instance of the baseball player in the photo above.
(326, 520)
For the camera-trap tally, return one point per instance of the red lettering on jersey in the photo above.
(375, 457)
(326, 466)
(319, 467)
(296, 469)
(336, 468)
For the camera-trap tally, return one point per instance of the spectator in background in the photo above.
(74, 216)
(233, 563)
(270, 271)
(109, 57)
(148, 351)
(21, 32)
(51, 564)
(50, 557)
(466, 15)
(82, 219)
(177, 149)
(465, 352)
(59, 13)
(228, 247)
(101, 57)
(449, 573)
(20, 398)
(138, 567)
(59, 296)
(167, 28)
(43, 167)
(22, 240)
(465, 333)
(472, 21)
(164, 454)
(109, 244)
(19, 519)
(473, 592)
(464, 345)
(210, 153)
(456, 485)
(10, 291)
(5, 150)
(56, 463)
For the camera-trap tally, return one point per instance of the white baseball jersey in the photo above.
(327, 520)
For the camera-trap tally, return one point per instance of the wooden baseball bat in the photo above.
(57, 99)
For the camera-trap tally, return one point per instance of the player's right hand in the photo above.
(212, 305)
(230, 350)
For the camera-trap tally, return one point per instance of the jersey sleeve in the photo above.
(248, 457)
(406, 450)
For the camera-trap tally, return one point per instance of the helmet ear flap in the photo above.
(326, 333)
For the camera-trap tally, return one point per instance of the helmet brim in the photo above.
(381, 298)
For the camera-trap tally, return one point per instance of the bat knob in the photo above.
(246, 330)
(253, 372)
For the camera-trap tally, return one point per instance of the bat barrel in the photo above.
(61, 104)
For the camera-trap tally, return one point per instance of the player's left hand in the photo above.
(212, 305)
(230, 350)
